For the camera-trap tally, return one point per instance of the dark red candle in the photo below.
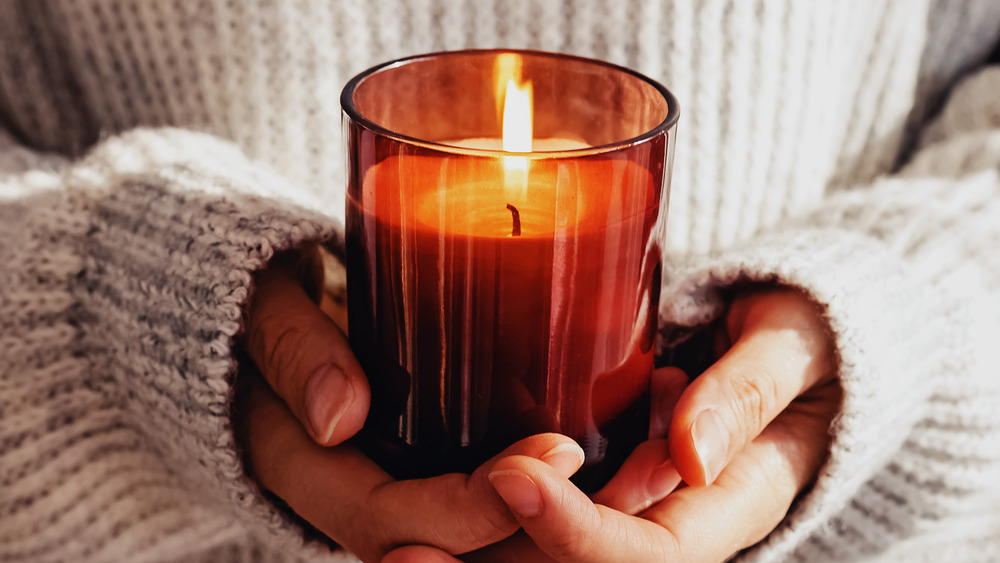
(495, 295)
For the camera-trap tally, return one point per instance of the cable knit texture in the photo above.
(805, 157)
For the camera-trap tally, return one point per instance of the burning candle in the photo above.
(503, 268)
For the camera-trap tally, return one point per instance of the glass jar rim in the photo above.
(350, 109)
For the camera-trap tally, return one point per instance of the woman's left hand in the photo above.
(748, 436)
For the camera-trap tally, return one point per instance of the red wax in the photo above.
(473, 337)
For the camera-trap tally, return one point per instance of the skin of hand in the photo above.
(747, 437)
(308, 395)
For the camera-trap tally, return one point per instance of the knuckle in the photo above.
(491, 528)
(574, 542)
(570, 544)
(277, 345)
(754, 398)
(365, 528)
(491, 521)
(663, 543)
(497, 525)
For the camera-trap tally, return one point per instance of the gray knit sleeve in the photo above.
(908, 272)
(124, 279)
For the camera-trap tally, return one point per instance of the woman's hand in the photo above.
(748, 435)
(312, 395)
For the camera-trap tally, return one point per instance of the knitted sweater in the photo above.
(804, 157)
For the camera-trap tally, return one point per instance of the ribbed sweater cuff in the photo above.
(889, 355)
(178, 223)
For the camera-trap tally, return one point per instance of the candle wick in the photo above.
(516, 229)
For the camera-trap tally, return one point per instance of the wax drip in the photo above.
(516, 229)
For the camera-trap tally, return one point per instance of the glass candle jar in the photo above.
(503, 283)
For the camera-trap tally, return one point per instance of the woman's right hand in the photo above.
(312, 397)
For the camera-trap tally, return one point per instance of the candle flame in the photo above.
(516, 119)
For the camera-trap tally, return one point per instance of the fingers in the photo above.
(754, 492)
(710, 523)
(566, 525)
(646, 477)
(478, 515)
(305, 357)
(780, 349)
(354, 502)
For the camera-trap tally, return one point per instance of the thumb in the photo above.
(780, 350)
(304, 356)
(567, 525)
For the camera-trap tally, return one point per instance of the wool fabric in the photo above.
(154, 154)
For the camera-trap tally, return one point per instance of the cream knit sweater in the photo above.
(804, 157)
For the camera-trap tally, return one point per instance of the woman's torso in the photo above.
(781, 101)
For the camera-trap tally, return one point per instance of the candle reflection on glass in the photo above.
(495, 295)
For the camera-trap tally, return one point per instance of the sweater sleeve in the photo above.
(908, 272)
(124, 276)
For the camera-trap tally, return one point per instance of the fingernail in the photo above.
(327, 393)
(565, 458)
(663, 481)
(711, 443)
(519, 492)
